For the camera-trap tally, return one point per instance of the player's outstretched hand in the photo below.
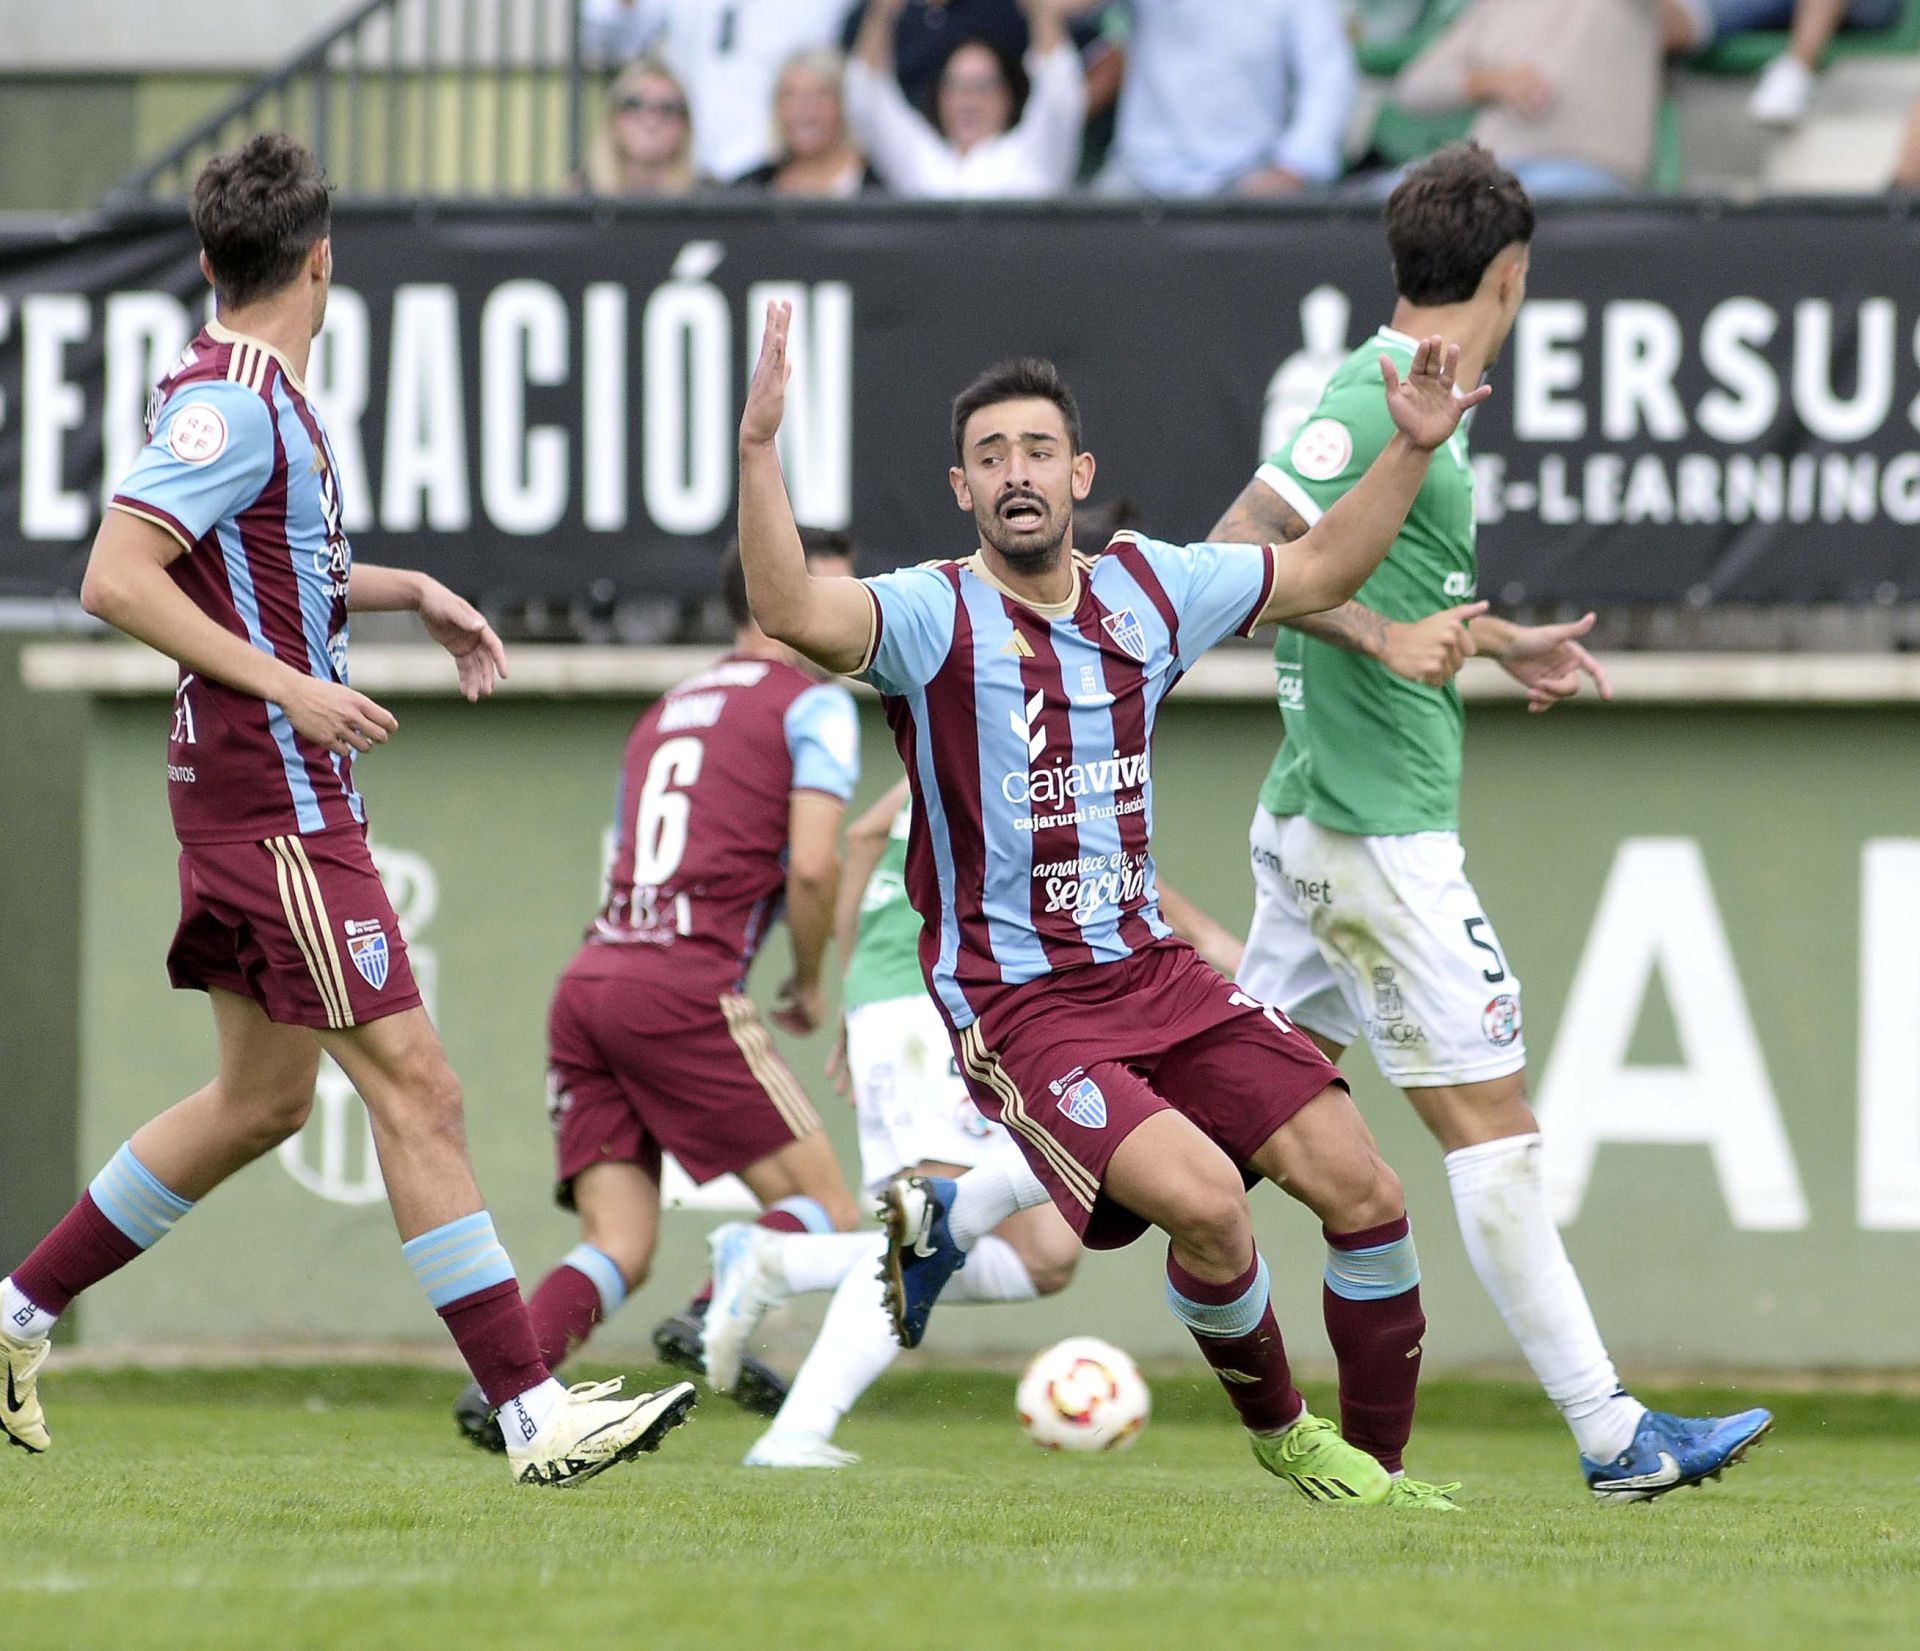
(335, 717)
(767, 392)
(1548, 661)
(1424, 404)
(1433, 649)
(799, 1009)
(459, 627)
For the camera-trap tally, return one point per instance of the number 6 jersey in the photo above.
(700, 835)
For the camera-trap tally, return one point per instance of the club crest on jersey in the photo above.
(1081, 1099)
(1128, 632)
(367, 951)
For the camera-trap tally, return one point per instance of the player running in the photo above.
(731, 794)
(1365, 922)
(224, 549)
(1022, 685)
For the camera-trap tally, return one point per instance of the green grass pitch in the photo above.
(335, 1508)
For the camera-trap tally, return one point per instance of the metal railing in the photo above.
(414, 98)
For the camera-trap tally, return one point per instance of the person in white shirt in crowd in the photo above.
(645, 142)
(729, 53)
(990, 135)
(817, 155)
(612, 31)
(1248, 98)
(1785, 87)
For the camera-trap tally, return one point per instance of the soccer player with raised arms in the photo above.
(1365, 923)
(1022, 685)
(224, 549)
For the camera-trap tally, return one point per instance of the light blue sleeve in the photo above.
(1217, 591)
(1322, 80)
(913, 629)
(210, 454)
(823, 738)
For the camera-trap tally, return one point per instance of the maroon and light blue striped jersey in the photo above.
(699, 862)
(1027, 734)
(237, 468)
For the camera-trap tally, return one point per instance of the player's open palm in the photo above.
(767, 391)
(1425, 404)
(1548, 661)
(336, 717)
(459, 627)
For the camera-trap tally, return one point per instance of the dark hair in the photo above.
(1024, 378)
(1449, 218)
(1012, 71)
(817, 542)
(258, 211)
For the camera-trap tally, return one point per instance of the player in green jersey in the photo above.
(1365, 923)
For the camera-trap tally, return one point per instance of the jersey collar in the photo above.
(220, 333)
(1389, 335)
(976, 564)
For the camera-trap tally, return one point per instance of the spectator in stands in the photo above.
(612, 31)
(817, 157)
(999, 128)
(729, 53)
(1250, 98)
(645, 142)
(926, 31)
(1567, 91)
(1781, 94)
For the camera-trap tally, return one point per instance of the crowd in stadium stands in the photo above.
(948, 99)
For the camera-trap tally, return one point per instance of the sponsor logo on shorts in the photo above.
(1319, 892)
(1387, 1001)
(180, 775)
(1500, 1020)
(1127, 631)
(1080, 1099)
(367, 951)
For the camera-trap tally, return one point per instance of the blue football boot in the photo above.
(921, 1255)
(1670, 1451)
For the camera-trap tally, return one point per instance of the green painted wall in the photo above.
(506, 804)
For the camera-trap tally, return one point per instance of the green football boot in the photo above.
(1313, 1458)
(1417, 1493)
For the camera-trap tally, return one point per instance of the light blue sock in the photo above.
(809, 1212)
(129, 1195)
(458, 1260)
(1376, 1273)
(602, 1271)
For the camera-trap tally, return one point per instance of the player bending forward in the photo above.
(731, 793)
(224, 549)
(1365, 921)
(1022, 685)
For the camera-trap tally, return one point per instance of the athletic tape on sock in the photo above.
(458, 1260)
(128, 1194)
(1375, 1273)
(602, 1271)
(1238, 1317)
(809, 1212)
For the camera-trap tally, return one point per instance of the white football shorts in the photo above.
(910, 1099)
(1382, 936)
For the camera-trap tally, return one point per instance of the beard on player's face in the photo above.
(1027, 531)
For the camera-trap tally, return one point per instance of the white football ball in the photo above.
(1082, 1394)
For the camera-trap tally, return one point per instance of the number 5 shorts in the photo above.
(1382, 936)
(300, 924)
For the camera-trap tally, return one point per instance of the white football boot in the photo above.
(593, 1428)
(21, 1419)
(748, 1279)
(794, 1447)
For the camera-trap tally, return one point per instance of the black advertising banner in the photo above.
(1698, 403)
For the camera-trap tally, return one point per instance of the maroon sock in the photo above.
(495, 1337)
(781, 1221)
(1251, 1363)
(701, 1298)
(564, 1311)
(83, 1249)
(1377, 1345)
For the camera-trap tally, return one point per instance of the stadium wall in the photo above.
(1715, 909)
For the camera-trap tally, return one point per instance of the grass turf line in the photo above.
(335, 1508)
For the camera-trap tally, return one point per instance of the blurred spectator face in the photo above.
(974, 102)
(650, 123)
(806, 108)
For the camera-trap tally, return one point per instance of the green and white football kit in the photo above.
(1364, 921)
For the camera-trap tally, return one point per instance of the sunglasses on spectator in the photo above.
(671, 108)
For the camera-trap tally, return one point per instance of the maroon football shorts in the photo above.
(638, 1064)
(1074, 1062)
(302, 925)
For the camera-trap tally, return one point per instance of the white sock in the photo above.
(854, 1345)
(819, 1261)
(524, 1416)
(22, 1318)
(1515, 1248)
(990, 1192)
(994, 1272)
